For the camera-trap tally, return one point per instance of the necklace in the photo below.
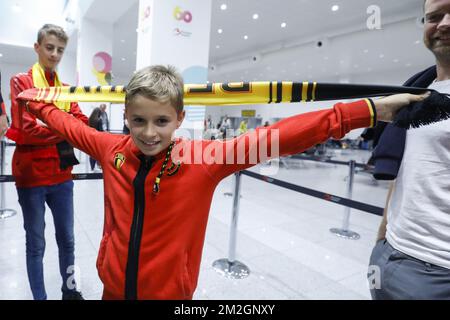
(170, 172)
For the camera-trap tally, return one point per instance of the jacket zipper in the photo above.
(131, 273)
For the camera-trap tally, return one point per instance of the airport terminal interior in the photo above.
(296, 238)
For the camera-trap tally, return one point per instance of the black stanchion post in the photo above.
(4, 212)
(344, 232)
(230, 267)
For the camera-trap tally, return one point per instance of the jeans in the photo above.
(59, 198)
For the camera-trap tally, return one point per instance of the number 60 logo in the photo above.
(182, 15)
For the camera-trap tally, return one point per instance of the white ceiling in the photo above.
(349, 48)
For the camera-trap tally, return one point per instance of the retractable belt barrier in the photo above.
(318, 194)
(311, 192)
(321, 159)
(75, 176)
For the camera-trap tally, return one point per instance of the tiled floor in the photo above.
(283, 237)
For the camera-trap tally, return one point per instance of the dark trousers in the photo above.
(395, 275)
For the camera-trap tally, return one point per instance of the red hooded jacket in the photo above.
(35, 161)
(152, 243)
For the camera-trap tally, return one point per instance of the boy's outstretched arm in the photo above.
(298, 133)
(76, 132)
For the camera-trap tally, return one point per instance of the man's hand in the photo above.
(3, 125)
(387, 107)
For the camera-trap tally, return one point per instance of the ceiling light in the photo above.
(217, 47)
(223, 7)
(219, 30)
(123, 59)
(417, 42)
(366, 50)
(1, 55)
(395, 60)
(255, 16)
(335, 8)
(122, 40)
(245, 37)
(283, 24)
(381, 56)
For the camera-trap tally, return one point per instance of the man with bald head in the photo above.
(411, 259)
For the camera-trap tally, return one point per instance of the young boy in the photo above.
(42, 167)
(156, 209)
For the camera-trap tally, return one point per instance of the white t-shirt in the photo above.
(419, 211)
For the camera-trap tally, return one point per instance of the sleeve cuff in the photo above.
(373, 112)
(359, 114)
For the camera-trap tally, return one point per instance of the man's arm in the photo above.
(3, 119)
(382, 229)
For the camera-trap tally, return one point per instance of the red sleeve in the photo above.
(76, 112)
(76, 132)
(27, 130)
(289, 136)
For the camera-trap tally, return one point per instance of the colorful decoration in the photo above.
(102, 66)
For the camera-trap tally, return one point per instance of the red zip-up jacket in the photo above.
(152, 243)
(35, 161)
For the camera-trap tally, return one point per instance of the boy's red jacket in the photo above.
(152, 243)
(35, 161)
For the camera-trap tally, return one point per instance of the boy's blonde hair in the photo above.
(52, 29)
(158, 83)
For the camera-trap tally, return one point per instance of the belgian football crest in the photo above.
(119, 160)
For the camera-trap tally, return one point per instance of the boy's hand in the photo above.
(32, 106)
(3, 125)
(387, 107)
(40, 123)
